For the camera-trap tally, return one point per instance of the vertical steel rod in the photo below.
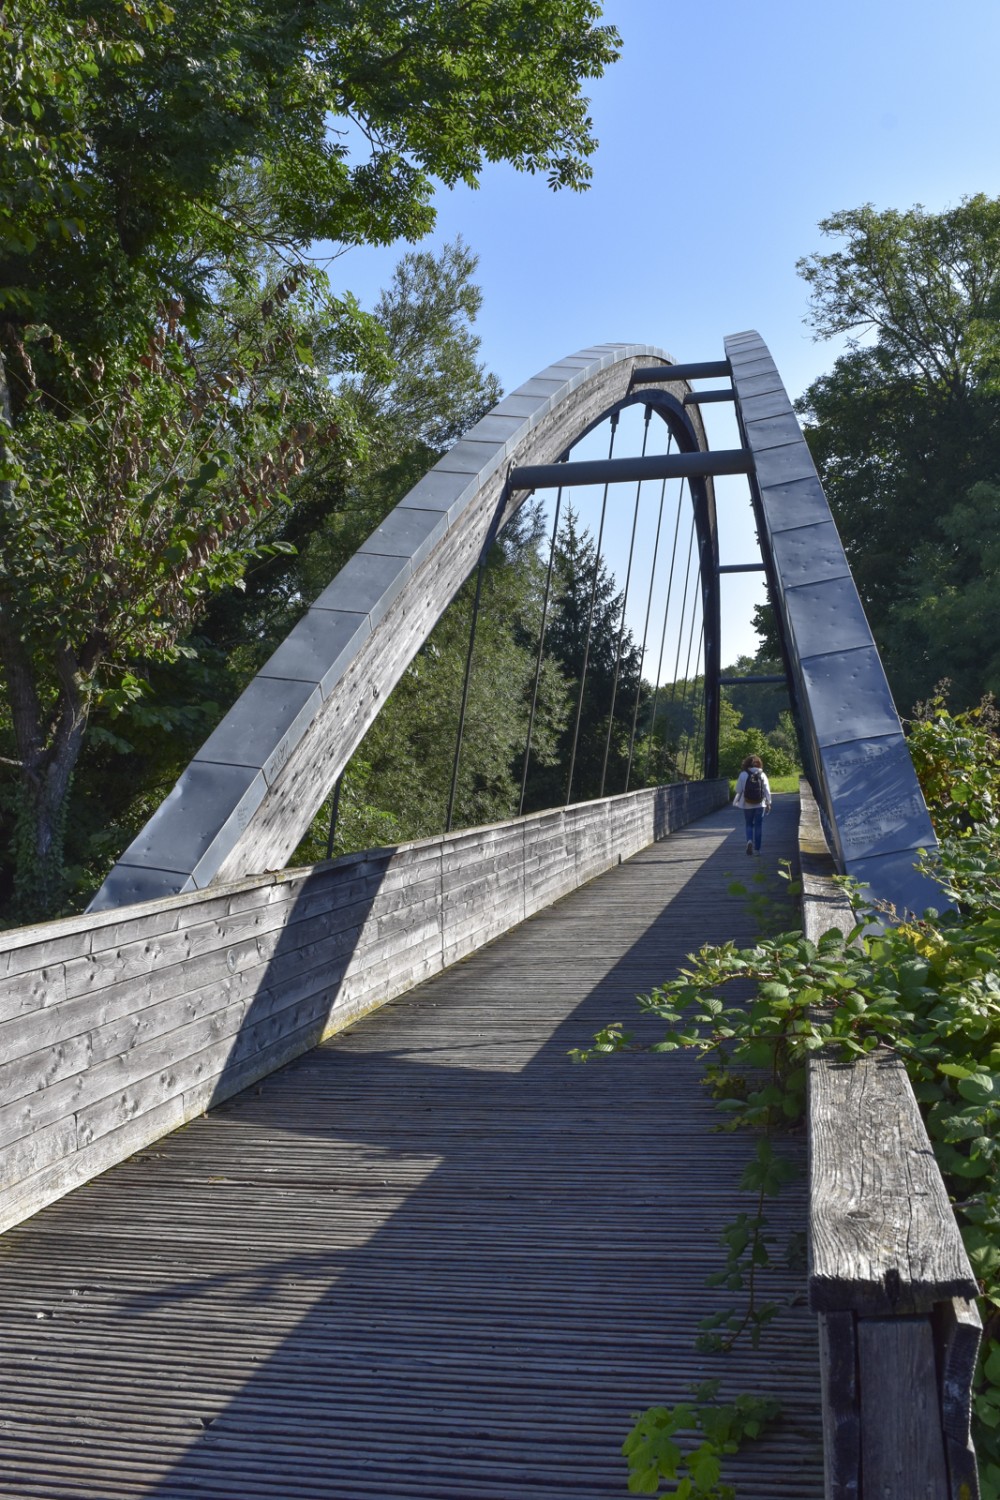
(541, 649)
(465, 688)
(621, 625)
(689, 690)
(687, 661)
(590, 623)
(334, 810)
(699, 745)
(645, 629)
(680, 633)
(663, 634)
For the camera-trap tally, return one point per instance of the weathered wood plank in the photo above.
(902, 1451)
(882, 1230)
(957, 1333)
(135, 998)
(883, 1236)
(431, 1259)
(838, 1363)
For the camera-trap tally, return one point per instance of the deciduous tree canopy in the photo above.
(165, 350)
(906, 432)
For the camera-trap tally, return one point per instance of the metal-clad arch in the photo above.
(852, 739)
(249, 795)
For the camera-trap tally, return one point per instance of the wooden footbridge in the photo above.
(430, 1257)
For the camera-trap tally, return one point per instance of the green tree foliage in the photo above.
(432, 387)
(906, 433)
(164, 169)
(756, 720)
(141, 740)
(758, 703)
(674, 745)
(398, 783)
(152, 140)
(122, 514)
(587, 624)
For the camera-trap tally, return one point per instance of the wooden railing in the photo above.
(889, 1277)
(116, 1027)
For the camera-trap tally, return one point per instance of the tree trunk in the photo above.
(47, 753)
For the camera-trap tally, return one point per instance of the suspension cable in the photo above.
(691, 688)
(645, 628)
(334, 811)
(699, 746)
(541, 649)
(684, 600)
(590, 622)
(687, 662)
(680, 632)
(465, 686)
(621, 625)
(663, 636)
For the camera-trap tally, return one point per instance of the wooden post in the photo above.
(888, 1273)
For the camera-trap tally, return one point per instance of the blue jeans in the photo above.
(754, 818)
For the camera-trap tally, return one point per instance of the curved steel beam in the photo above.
(245, 801)
(852, 737)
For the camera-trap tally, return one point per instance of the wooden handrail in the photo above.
(888, 1274)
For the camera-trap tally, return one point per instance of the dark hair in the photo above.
(751, 762)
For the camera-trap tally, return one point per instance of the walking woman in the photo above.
(753, 794)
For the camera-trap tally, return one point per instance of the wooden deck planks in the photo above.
(430, 1259)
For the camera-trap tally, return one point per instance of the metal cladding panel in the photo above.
(809, 554)
(128, 884)
(752, 362)
(408, 533)
(568, 373)
(783, 465)
(769, 404)
(883, 812)
(498, 428)
(854, 740)
(826, 617)
(743, 347)
(478, 460)
(367, 585)
(760, 385)
(849, 697)
(282, 704)
(527, 409)
(801, 503)
(772, 432)
(207, 810)
(264, 725)
(543, 389)
(441, 491)
(319, 648)
(911, 891)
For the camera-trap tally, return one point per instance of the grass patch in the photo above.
(776, 783)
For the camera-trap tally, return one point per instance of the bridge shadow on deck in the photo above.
(431, 1258)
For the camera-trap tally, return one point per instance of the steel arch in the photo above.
(851, 736)
(248, 796)
(245, 800)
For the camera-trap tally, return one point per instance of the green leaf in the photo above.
(981, 1088)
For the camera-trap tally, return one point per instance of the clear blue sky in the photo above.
(727, 131)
